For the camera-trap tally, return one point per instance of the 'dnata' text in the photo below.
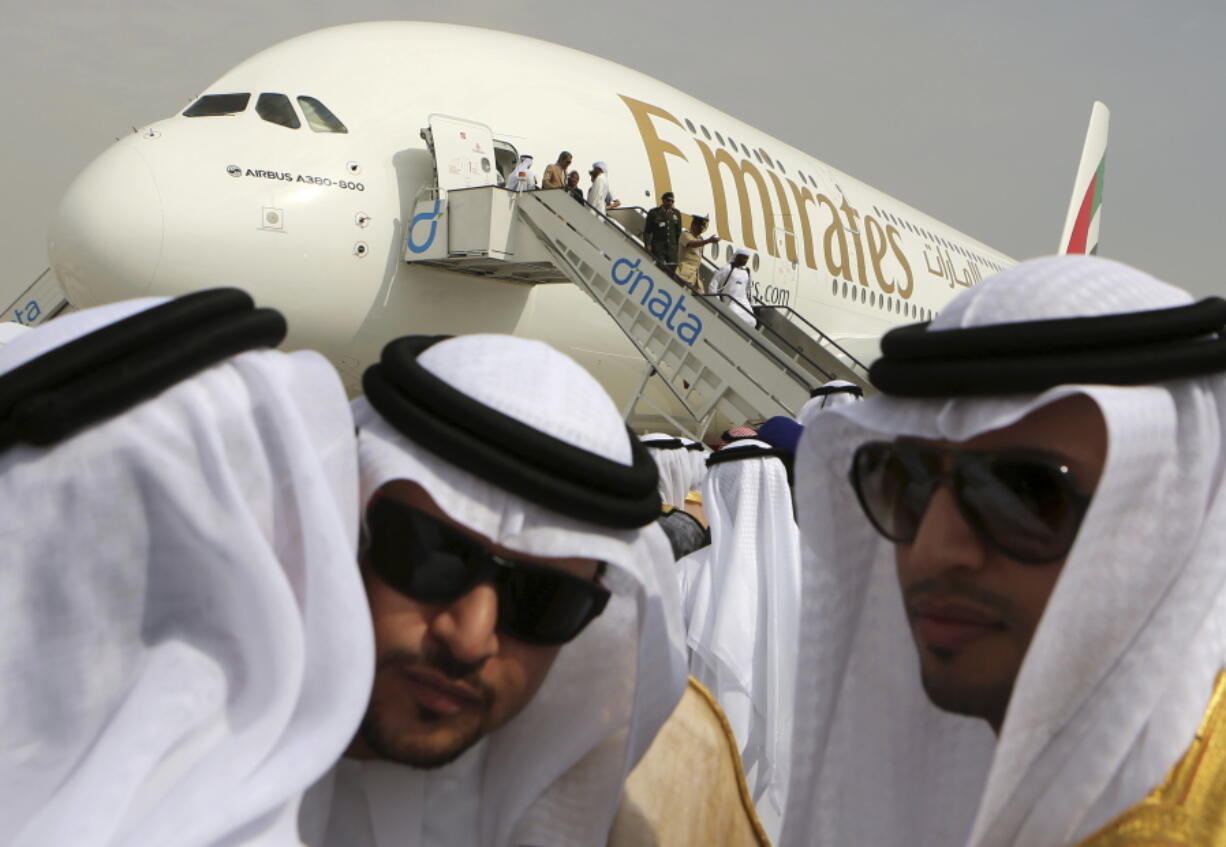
(850, 244)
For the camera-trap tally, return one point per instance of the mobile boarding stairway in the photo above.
(715, 365)
(40, 301)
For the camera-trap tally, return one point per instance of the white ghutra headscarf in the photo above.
(522, 178)
(554, 774)
(835, 393)
(743, 602)
(1122, 664)
(679, 466)
(186, 641)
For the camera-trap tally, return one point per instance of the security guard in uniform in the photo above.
(661, 232)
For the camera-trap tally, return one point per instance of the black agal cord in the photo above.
(751, 451)
(1132, 348)
(117, 366)
(827, 390)
(666, 444)
(507, 452)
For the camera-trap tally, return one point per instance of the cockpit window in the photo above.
(318, 116)
(217, 104)
(276, 108)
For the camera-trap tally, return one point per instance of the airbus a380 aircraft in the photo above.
(295, 176)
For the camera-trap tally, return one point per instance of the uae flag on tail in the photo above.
(1081, 225)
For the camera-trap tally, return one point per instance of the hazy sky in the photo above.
(972, 111)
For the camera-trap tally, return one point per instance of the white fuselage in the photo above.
(314, 223)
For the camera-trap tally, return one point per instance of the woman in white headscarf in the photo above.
(1120, 669)
(186, 643)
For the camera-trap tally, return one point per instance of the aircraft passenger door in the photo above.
(463, 153)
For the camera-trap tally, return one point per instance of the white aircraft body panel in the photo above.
(314, 223)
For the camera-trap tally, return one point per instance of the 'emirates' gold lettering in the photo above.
(740, 171)
(656, 146)
(878, 244)
(834, 233)
(875, 236)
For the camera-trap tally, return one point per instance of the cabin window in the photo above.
(732, 144)
(834, 288)
(217, 104)
(276, 109)
(746, 150)
(690, 125)
(318, 116)
(705, 132)
(757, 260)
(757, 156)
(720, 137)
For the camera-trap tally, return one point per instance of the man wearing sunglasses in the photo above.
(1014, 579)
(527, 628)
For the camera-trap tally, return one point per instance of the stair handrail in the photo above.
(794, 316)
(728, 319)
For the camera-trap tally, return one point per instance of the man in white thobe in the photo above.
(681, 466)
(600, 196)
(522, 177)
(184, 651)
(527, 628)
(742, 599)
(679, 472)
(1014, 584)
(733, 284)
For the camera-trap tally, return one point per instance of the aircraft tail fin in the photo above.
(1085, 209)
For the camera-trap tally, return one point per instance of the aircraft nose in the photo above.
(106, 236)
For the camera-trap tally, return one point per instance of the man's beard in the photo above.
(987, 698)
(465, 728)
(989, 701)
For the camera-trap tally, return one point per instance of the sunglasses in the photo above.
(433, 562)
(1022, 503)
